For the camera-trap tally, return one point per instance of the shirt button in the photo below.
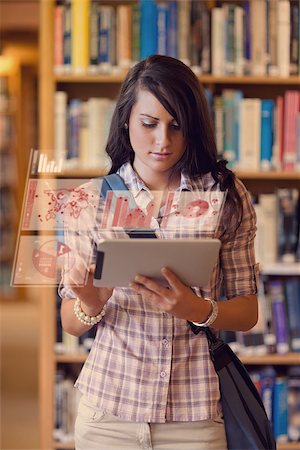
(163, 374)
(165, 342)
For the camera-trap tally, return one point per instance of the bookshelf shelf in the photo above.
(289, 359)
(272, 176)
(71, 358)
(291, 269)
(207, 79)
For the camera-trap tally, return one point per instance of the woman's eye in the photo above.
(148, 125)
(176, 126)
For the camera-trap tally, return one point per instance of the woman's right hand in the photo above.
(92, 298)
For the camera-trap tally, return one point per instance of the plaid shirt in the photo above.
(145, 365)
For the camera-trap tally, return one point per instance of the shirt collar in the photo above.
(136, 185)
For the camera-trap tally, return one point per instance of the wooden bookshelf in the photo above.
(119, 76)
(108, 84)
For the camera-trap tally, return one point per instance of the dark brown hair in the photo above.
(178, 89)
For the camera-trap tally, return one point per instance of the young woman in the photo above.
(148, 382)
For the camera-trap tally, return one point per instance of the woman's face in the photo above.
(155, 136)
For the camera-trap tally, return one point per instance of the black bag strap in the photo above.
(114, 182)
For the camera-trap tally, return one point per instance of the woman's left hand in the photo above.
(177, 299)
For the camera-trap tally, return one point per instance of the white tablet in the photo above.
(119, 260)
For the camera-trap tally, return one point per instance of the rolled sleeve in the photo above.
(238, 263)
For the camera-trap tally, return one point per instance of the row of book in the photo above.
(280, 395)
(251, 133)
(277, 331)
(81, 130)
(281, 398)
(278, 224)
(257, 134)
(278, 327)
(257, 37)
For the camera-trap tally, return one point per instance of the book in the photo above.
(59, 11)
(124, 36)
(80, 36)
(266, 136)
(276, 289)
(291, 111)
(279, 410)
(184, 30)
(148, 28)
(293, 403)
(287, 230)
(292, 295)
(217, 42)
(283, 38)
(249, 138)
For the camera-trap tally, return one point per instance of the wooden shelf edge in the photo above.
(281, 268)
(288, 359)
(117, 76)
(85, 173)
(70, 357)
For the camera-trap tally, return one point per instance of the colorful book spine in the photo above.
(283, 38)
(68, 36)
(80, 35)
(172, 29)
(148, 28)
(292, 295)
(266, 139)
(291, 111)
(136, 32)
(59, 38)
(280, 411)
(279, 316)
(162, 28)
(93, 37)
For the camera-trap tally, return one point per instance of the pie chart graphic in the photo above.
(51, 257)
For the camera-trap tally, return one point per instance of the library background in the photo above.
(61, 66)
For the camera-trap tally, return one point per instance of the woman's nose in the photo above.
(162, 136)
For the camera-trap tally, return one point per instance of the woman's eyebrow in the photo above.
(148, 115)
(152, 117)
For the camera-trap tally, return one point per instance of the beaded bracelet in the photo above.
(86, 319)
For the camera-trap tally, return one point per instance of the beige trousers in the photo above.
(99, 431)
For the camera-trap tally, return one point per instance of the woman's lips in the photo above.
(161, 156)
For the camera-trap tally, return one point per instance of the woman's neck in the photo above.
(160, 181)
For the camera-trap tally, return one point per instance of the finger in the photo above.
(152, 285)
(173, 280)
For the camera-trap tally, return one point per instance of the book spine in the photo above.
(148, 28)
(58, 38)
(294, 40)
(80, 35)
(250, 123)
(291, 110)
(218, 50)
(292, 295)
(267, 108)
(124, 36)
(184, 31)
(68, 36)
(287, 231)
(172, 29)
(280, 417)
(283, 38)
(162, 28)
(279, 316)
(136, 31)
(93, 38)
